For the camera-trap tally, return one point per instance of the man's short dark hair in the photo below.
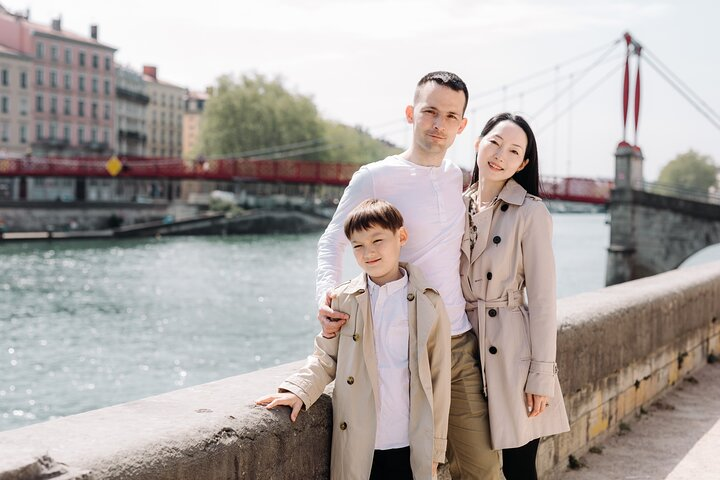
(446, 79)
(373, 213)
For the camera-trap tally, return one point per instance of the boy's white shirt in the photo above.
(430, 201)
(392, 336)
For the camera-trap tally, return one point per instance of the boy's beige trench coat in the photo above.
(350, 360)
(517, 340)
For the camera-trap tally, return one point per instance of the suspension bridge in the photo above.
(279, 163)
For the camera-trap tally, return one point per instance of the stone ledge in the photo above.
(618, 349)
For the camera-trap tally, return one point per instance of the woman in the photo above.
(507, 252)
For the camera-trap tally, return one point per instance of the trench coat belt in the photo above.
(511, 299)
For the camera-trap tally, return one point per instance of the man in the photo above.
(427, 189)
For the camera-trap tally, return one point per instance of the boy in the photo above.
(392, 359)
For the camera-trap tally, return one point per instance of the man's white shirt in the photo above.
(430, 201)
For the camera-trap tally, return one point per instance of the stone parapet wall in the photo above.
(618, 349)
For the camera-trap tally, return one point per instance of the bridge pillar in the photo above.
(652, 233)
(621, 252)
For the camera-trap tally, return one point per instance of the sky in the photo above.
(360, 60)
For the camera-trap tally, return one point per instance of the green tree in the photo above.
(254, 114)
(354, 145)
(690, 171)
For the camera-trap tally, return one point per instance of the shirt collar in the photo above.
(390, 287)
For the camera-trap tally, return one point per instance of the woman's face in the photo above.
(501, 152)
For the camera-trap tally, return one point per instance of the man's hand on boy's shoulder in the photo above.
(288, 399)
(330, 320)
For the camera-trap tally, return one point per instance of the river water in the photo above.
(89, 324)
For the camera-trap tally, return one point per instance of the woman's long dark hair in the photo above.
(528, 177)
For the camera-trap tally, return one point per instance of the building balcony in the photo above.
(132, 135)
(131, 96)
(51, 143)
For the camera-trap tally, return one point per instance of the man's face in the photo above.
(437, 117)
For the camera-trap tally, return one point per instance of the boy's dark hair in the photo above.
(446, 79)
(373, 212)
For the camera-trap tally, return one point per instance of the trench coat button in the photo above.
(492, 312)
(350, 380)
(411, 297)
(492, 350)
(489, 275)
(496, 239)
(343, 426)
(355, 337)
(361, 290)
(504, 207)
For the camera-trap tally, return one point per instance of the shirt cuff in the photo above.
(287, 386)
(541, 378)
(439, 447)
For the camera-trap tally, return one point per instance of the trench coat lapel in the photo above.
(368, 339)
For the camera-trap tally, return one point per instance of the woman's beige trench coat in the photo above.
(350, 360)
(513, 254)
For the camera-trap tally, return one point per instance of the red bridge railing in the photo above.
(584, 190)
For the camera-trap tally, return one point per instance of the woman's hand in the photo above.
(536, 404)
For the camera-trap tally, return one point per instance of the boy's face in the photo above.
(377, 251)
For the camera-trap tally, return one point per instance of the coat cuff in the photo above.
(541, 378)
(288, 386)
(439, 447)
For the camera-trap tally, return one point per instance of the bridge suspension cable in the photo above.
(580, 98)
(541, 72)
(686, 93)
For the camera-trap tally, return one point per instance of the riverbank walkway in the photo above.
(677, 438)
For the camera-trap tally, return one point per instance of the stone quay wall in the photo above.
(619, 348)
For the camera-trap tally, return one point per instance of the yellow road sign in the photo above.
(114, 166)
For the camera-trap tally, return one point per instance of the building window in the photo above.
(93, 135)
(94, 110)
(68, 81)
(23, 105)
(94, 85)
(81, 135)
(53, 105)
(81, 83)
(23, 79)
(39, 103)
(68, 56)
(81, 59)
(23, 133)
(53, 130)
(107, 64)
(5, 132)
(107, 87)
(39, 50)
(5, 105)
(81, 108)
(107, 111)
(66, 109)
(53, 79)
(95, 61)
(5, 77)
(106, 136)
(38, 131)
(54, 53)
(66, 133)
(39, 76)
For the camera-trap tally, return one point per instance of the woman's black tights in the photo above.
(519, 463)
